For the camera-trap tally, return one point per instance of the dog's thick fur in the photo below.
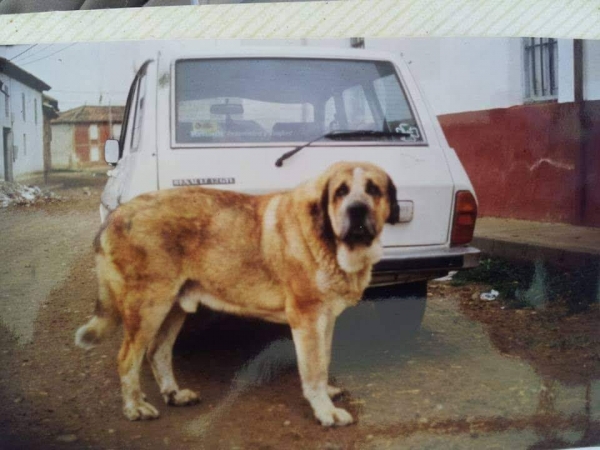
(299, 257)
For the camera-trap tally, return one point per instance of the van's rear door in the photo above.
(229, 137)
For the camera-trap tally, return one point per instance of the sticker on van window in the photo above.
(205, 129)
(203, 181)
(409, 129)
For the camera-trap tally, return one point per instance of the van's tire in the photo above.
(386, 318)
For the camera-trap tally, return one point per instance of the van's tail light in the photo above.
(465, 214)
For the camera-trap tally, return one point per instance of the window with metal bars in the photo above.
(541, 69)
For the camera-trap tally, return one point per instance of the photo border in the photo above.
(324, 19)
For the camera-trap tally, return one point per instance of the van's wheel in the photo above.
(386, 317)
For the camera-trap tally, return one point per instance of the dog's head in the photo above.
(357, 199)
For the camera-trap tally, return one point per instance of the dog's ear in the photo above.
(394, 216)
(320, 215)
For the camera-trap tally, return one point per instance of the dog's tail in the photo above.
(105, 320)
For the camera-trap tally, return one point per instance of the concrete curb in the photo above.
(570, 259)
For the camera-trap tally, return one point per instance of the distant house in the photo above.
(79, 134)
(50, 111)
(21, 121)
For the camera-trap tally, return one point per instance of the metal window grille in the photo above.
(541, 68)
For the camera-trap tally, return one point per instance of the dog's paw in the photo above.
(334, 392)
(183, 397)
(334, 417)
(140, 411)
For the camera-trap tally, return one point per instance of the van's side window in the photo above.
(127, 126)
(132, 119)
(138, 112)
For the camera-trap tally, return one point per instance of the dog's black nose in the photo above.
(357, 211)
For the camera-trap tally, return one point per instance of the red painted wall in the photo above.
(524, 162)
(82, 143)
(592, 164)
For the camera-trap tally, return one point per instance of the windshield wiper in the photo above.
(340, 134)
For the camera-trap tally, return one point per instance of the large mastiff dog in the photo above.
(299, 257)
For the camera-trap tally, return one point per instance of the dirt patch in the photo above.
(558, 344)
(53, 392)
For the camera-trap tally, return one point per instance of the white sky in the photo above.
(80, 72)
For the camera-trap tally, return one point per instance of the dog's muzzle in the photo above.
(359, 227)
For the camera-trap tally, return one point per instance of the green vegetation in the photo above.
(524, 284)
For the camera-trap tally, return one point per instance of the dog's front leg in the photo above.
(312, 339)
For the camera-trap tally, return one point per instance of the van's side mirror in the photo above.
(111, 151)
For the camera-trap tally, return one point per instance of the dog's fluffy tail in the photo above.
(102, 324)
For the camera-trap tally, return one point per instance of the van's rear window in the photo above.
(288, 100)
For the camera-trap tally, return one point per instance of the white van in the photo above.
(259, 120)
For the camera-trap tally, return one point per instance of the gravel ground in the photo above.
(474, 376)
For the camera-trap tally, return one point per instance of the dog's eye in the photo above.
(372, 189)
(341, 191)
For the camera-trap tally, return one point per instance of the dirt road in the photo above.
(461, 382)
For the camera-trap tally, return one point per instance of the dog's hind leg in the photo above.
(160, 355)
(142, 321)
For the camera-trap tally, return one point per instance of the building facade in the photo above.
(79, 134)
(523, 115)
(21, 122)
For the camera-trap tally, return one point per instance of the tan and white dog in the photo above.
(298, 257)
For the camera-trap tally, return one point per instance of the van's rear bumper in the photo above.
(403, 265)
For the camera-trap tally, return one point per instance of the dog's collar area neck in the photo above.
(350, 260)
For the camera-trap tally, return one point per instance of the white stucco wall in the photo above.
(62, 146)
(566, 71)
(462, 74)
(30, 154)
(4, 121)
(591, 70)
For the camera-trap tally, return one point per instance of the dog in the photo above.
(298, 257)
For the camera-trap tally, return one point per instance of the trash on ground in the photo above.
(490, 296)
(20, 194)
(447, 277)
